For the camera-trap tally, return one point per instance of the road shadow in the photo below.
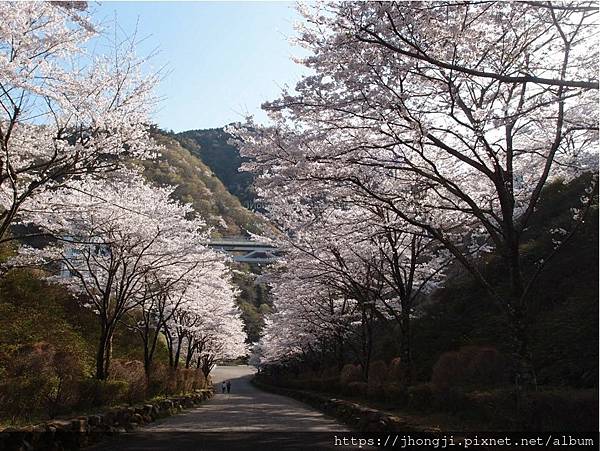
(226, 441)
(245, 419)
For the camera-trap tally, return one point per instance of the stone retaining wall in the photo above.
(358, 417)
(72, 434)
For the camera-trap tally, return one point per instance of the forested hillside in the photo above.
(180, 166)
(213, 148)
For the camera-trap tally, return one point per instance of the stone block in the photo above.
(61, 425)
(95, 420)
(74, 433)
(137, 418)
(110, 417)
(395, 424)
(79, 425)
(373, 415)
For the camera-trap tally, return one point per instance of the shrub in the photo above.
(96, 393)
(350, 373)
(330, 385)
(199, 381)
(330, 373)
(293, 383)
(68, 372)
(378, 372)
(561, 410)
(307, 375)
(312, 384)
(132, 372)
(188, 379)
(164, 380)
(356, 389)
(183, 380)
(419, 396)
(158, 379)
(447, 371)
(395, 370)
(548, 410)
(453, 399)
(375, 392)
(39, 378)
(23, 397)
(195, 380)
(171, 383)
(485, 366)
(470, 366)
(395, 393)
(495, 407)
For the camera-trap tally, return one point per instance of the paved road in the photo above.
(247, 418)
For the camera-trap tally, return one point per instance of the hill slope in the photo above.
(212, 147)
(197, 184)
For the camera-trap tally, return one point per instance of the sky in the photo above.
(221, 60)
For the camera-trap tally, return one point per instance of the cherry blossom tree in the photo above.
(284, 337)
(64, 111)
(346, 269)
(114, 237)
(206, 325)
(224, 339)
(454, 116)
(168, 292)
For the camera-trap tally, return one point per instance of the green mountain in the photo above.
(180, 166)
(213, 148)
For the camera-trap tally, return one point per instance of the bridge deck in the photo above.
(247, 251)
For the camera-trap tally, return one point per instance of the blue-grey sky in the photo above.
(223, 59)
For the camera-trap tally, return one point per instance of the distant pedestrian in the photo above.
(228, 386)
(223, 387)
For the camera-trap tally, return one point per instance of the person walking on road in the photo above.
(223, 387)
(228, 387)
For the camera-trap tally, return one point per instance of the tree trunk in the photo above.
(103, 353)
(108, 357)
(405, 348)
(177, 352)
(147, 360)
(150, 342)
(524, 370)
(206, 366)
(367, 341)
(169, 339)
(189, 354)
(525, 377)
(340, 352)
